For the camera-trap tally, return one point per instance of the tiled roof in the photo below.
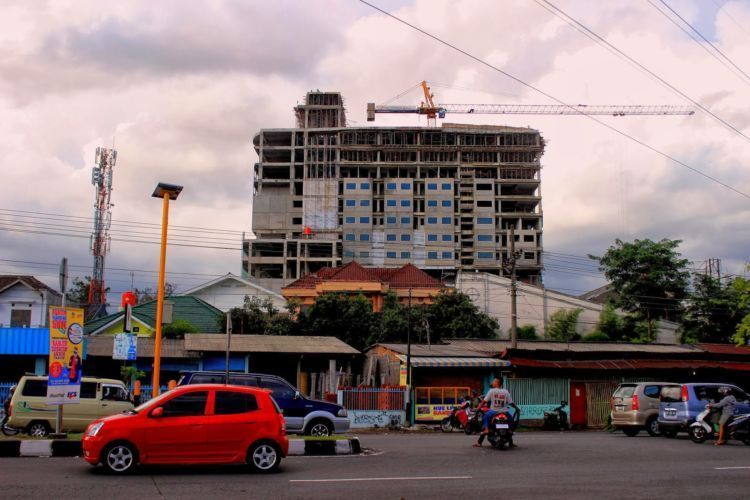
(7, 280)
(407, 276)
(203, 316)
(268, 344)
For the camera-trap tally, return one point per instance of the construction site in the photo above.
(444, 198)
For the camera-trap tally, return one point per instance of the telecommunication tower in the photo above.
(101, 178)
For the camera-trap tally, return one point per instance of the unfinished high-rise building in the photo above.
(442, 198)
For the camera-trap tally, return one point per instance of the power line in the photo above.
(720, 8)
(549, 96)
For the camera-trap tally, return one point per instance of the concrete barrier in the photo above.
(324, 447)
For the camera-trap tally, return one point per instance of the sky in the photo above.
(180, 88)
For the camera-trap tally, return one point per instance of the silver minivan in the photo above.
(635, 407)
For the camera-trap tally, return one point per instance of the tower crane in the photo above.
(434, 111)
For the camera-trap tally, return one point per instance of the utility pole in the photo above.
(408, 365)
(229, 340)
(513, 290)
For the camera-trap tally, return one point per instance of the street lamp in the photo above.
(166, 192)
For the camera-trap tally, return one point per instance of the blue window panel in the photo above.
(447, 237)
(349, 236)
(351, 185)
(447, 203)
(364, 254)
(364, 220)
(405, 203)
(485, 237)
(447, 187)
(432, 237)
(390, 185)
(390, 203)
(431, 220)
(405, 220)
(390, 255)
(447, 220)
(390, 220)
(364, 185)
(447, 255)
(351, 203)
(364, 203)
(390, 237)
(432, 255)
(406, 255)
(348, 253)
(485, 255)
(364, 237)
(350, 220)
(484, 220)
(406, 186)
(432, 187)
(431, 203)
(405, 237)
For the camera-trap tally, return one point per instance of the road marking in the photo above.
(732, 468)
(353, 479)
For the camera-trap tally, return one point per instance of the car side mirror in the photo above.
(157, 412)
(297, 395)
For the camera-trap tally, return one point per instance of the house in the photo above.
(229, 291)
(408, 283)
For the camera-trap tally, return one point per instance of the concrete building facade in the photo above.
(441, 198)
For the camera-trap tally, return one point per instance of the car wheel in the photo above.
(264, 457)
(746, 441)
(319, 428)
(119, 458)
(631, 431)
(697, 434)
(671, 433)
(652, 427)
(38, 429)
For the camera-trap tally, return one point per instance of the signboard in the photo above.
(432, 412)
(402, 375)
(65, 355)
(125, 346)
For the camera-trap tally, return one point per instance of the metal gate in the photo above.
(598, 396)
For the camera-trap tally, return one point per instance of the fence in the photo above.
(372, 398)
(536, 395)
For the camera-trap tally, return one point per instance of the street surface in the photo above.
(426, 466)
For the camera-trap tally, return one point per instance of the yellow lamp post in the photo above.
(166, 192)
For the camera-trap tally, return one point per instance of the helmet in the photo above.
(724, 390)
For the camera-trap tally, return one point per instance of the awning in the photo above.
(454, 362)
(631, 364)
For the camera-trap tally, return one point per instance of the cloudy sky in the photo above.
(180, 88)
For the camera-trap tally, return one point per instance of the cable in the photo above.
(549, 96)
(720, 8)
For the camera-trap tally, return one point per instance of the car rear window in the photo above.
(35, 388)
(671, 394)
(278, 389)
(624, 391)
(651, 391)
(231, 403)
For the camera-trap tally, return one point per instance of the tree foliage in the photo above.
(563, 324)
(453, 315)
(526, 332)
(649, 277)
(742, 332)
(178, 328)
(713, 311)
(257, 317)
(347, 317)
(610, 324)
(148, 294)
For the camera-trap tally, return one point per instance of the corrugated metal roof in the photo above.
(454, 362)
(433, 350)
(494, 347)
(24, 341)
(101, 345)
(631, 364)
(269, 344)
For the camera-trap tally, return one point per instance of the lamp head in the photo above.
(173, 190)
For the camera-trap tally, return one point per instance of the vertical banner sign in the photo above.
(125, 346)
(65, 355)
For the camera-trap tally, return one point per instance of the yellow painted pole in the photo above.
(160, 296)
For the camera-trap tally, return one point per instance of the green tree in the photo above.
(742, 333)
(148, 294)
(596, 336)
(346, 317)
(526, 332)
(649, 277)
(609, 325)
(178, 328)
(712, 312)
(453, 315)
(78, 294)
(563, 324)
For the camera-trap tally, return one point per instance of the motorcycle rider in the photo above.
(6, 405)
(499, 400)
(727, 405)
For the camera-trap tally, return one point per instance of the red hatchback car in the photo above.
(195, 424)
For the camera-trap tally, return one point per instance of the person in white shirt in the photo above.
(499, 400)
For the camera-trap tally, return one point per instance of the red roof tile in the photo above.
(407, 276)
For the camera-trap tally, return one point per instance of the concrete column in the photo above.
(40, 365)
(331, 375)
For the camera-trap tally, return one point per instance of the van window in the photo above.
(231, 403)
(35, 388)
(190, 404)
(707, 393)
(651, 391)
(625, 391)
(88, 390)
(246, 381)
(279, 390)
(671, 394)
(114, 393)
(207, 378)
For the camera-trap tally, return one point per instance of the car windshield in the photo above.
(155, 401)
(671, 394)
(624, 391)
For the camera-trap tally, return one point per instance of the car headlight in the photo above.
(94, 429)
(342, 412)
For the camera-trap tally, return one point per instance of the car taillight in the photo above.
(282, 423)
(635, 401)
(684, 393)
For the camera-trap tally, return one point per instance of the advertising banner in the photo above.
(125, 346)
(432, 412)
(65, 355)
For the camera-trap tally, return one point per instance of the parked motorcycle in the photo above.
(738, 427)
(7, 429)
(474, 423)
(556, 419)
(458, 417)
(500, 430)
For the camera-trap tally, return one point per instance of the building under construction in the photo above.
(443, 198)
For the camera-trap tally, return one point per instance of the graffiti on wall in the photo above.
(372, 418)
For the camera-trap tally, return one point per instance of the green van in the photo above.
(100, 397)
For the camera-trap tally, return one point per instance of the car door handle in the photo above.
(105, 404)
(308, 406)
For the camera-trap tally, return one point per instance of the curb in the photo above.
(302, 447)
(40, 448)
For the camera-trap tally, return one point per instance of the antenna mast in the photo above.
(101, 178)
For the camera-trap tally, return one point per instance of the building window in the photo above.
(390, 237)
(390, 203)
(431, 203)
(447, 187)
(20, 318)
(364, 237)
(447, 220)
(364, 254)
(405, 203)
(390, 255)
(431, 220)
(447, 203)
(390, 220)
(432, 187)
(350, 220)
(447, 255)
(364, 203)
(447, 237)
(405, 237)
(351, 203)
(351, 185)
(349, 253)
(364, 220)
(349, 236)
(529, 255)
(484, 220)
(390, 185)
(405, 220)
(432, 255)
(432, 237)
(406, 186)
(296, 221)
(485, 255)
(364, 185)
(528, 238)
(484, 237)
(406, 255)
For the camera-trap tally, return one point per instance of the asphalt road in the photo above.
(425, 466)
